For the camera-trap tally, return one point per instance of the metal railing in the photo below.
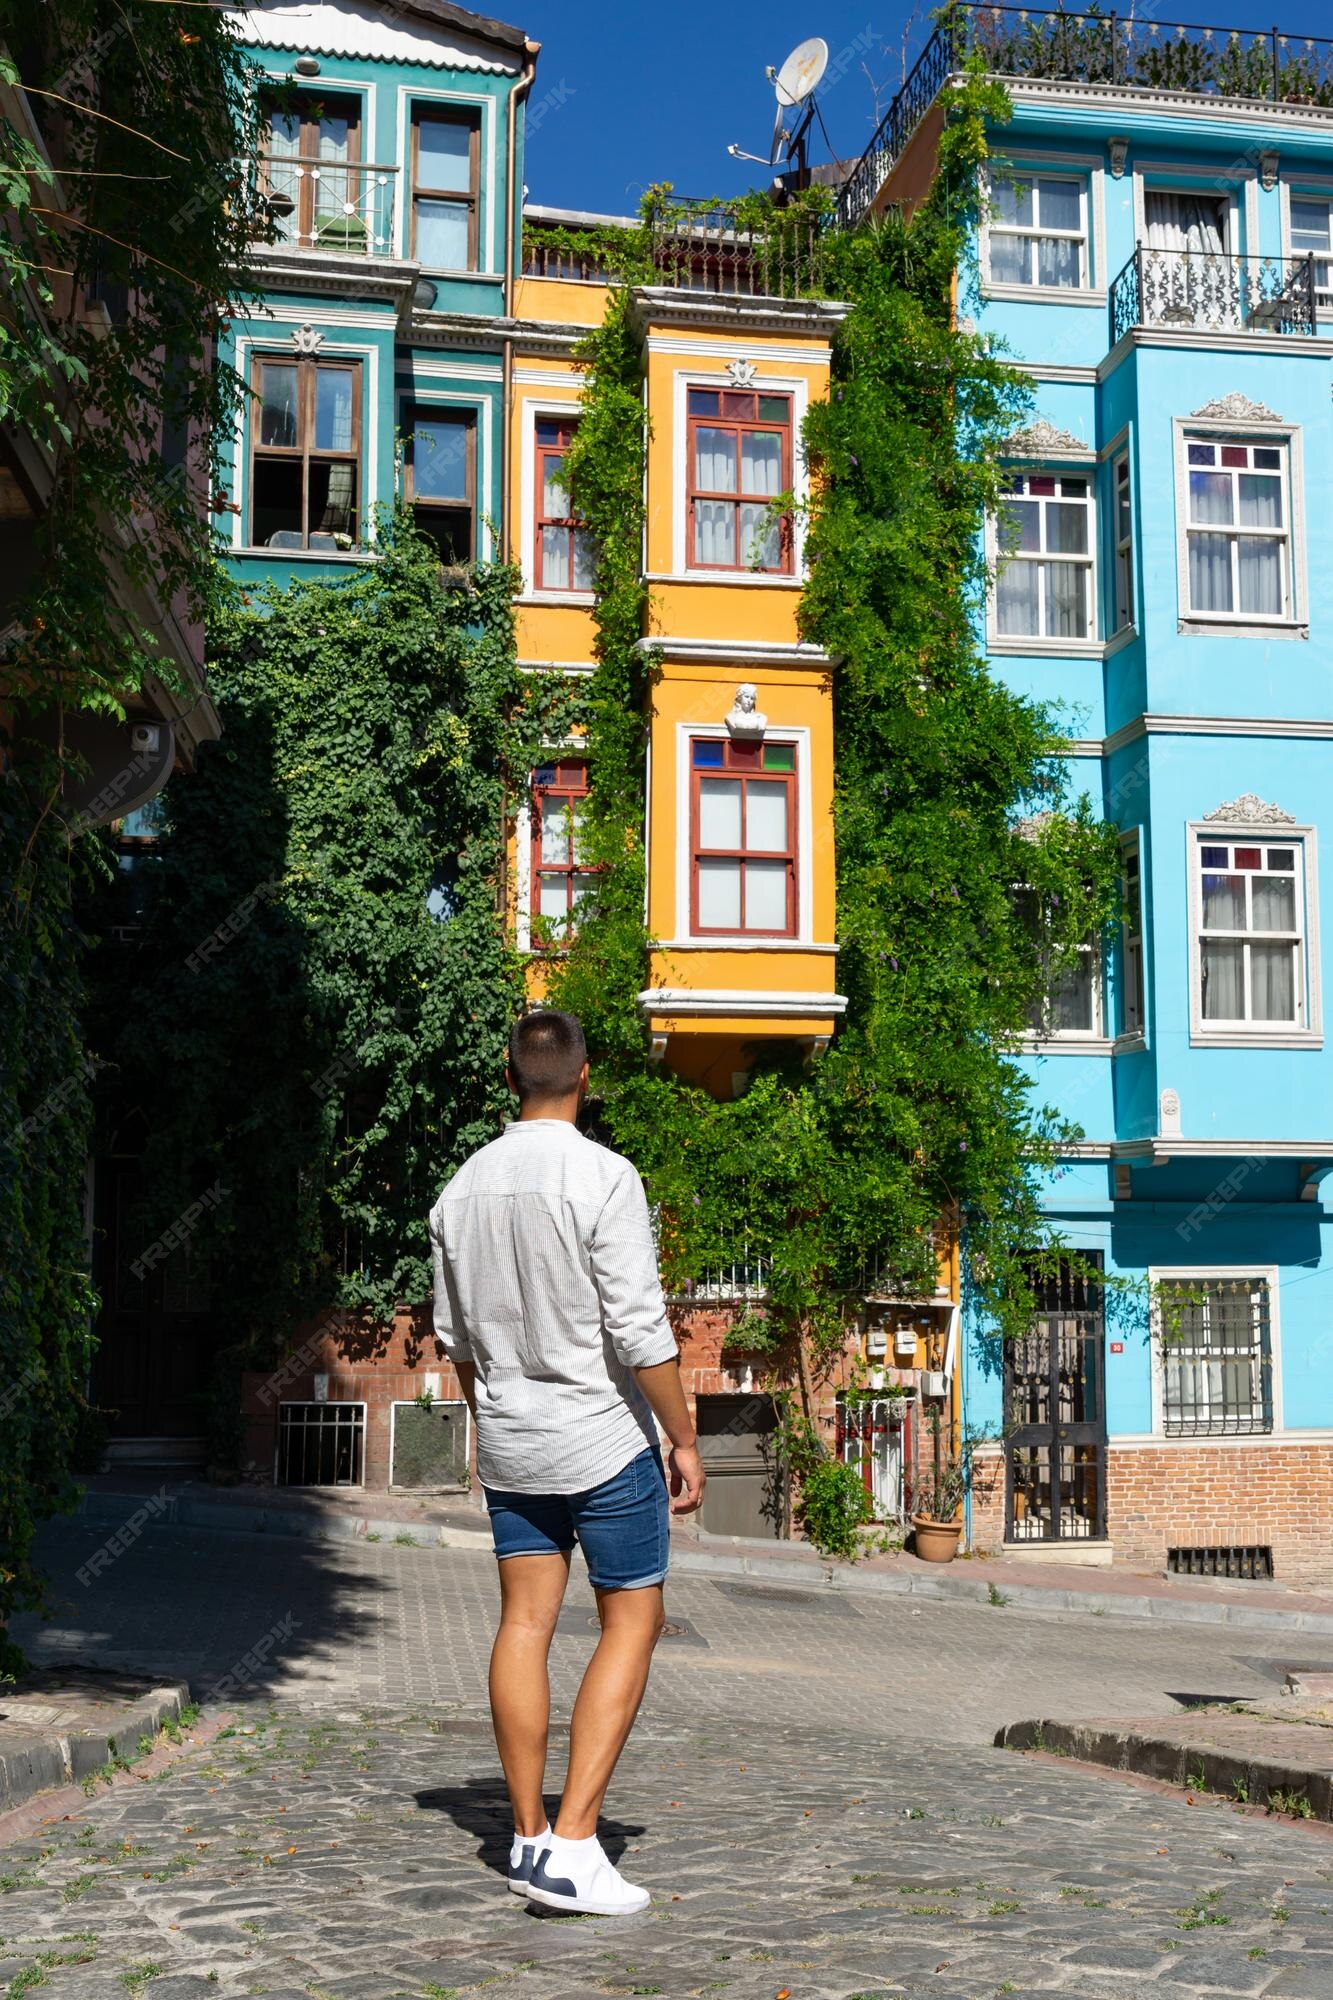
(329, 204)
(1214, 293)
(560, 257)
(725, 248)
(1140, 54)
(1216, 1357)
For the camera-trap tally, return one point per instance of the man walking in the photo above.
(548, 1301)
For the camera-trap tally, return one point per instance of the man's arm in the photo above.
(666, 1400)
(467, 1381)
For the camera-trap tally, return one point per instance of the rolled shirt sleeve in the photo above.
(623, 1258)
(449, 1326)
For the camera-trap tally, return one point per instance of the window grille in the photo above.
(321, 1444)
(1253, 1564)
(1217, 1360)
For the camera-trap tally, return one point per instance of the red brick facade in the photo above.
(1179, 1493)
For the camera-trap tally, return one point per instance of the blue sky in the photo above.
(630, 92)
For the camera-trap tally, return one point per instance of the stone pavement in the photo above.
(811, 1795)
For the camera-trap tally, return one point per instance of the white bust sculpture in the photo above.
(746, 718)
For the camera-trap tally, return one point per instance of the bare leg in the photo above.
(531, 1591)
(608, 1702)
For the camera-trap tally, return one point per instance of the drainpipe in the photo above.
(513, 242)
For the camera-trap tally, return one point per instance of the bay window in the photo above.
(1044, 574)
(560, 879)
(743, 838)
(305, 454)
(1237, 528)
(563, 555)
(739, 446)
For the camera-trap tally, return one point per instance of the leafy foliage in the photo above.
(324, 987)
(136, 109)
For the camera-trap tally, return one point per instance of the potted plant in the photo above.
(935, 1494)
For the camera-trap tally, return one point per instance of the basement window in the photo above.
(1253, 1564)
(321, 1444)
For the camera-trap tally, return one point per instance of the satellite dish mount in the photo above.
(794, 86)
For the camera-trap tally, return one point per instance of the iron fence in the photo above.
(1137, 53)
(338, 205)
(730, 249)
(1212, 292)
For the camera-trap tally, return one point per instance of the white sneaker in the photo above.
(576, 1875)
(523, 1858)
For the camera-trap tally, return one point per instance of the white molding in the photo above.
(455, 371)
(748, 579)
(805, 831)
(737, 652)
(1131, 100)
(1260, 1034)
(1270, 1274)
(1049, 649)
(741, 1000)
(725, 350)
(1306, 729)
(710, 943)
(1057, 371)
(574, 668)
(488, 258)
(1206, 341)
(1043, 295)
(1257, 1441)
(275, 322)
(550, 378)
(1071, 1044)
(685, 379)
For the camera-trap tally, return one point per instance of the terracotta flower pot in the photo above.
(936, 1541)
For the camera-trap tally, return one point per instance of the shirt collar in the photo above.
(542, 1125)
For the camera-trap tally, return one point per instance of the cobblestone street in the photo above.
(811, 1796)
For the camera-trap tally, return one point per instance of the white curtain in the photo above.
(1223, 982)
(1185, 222)
(1272, 982)
(1066, 601)
(766, 895)
(720, 812)
(720, 895)
(1210, 573)
(766, 818)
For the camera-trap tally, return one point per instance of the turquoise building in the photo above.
(392, 158)
(1157, 253)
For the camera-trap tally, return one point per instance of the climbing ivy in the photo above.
(950, 796)
(125, 224)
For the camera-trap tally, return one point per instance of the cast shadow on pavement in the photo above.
(481, 1808)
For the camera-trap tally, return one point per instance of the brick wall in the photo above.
(1182, 1493)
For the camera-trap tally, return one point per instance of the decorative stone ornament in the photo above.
(1119, 154)
(307, 339)
(1034, 826)
(1250, 810)
(1238, 409)
(741, 374)
(746, 722)
(1268, 171)
(1168, 1115)
(1041, 440)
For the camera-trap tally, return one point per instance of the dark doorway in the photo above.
(738, 1446)
(1055, 1413)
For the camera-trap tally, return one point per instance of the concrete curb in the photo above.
(1176, 1763)
(45, 1760)
(946, 1586)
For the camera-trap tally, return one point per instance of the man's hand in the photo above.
(688, 1478)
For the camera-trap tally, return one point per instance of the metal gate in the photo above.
(871, 1435)
(1055, 1413)
(737, 1444)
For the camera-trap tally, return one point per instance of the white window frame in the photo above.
(798, 389)
(1309, 190)
(688, 732)
(534, 409)
(1034, 642)
(1306, 1032)
(1021, 163)
(1076, 1041)
(1123, 609)
(523, 835)
(1263, 1273)
(1133, 966)
(1033, 233)
(1293, 621)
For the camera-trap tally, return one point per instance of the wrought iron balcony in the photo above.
(1138, 53)
(738, 248)
(1214, 293)
(344, 206)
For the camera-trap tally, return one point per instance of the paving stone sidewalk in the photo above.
(354, 1856)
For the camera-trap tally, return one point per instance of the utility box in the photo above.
(430, 1446)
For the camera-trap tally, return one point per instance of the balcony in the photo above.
(331, 205)
(1137, 54)
(744, 248)
(1209, 292)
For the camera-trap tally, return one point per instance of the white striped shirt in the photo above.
(546, 1281)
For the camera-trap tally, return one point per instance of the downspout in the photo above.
(513, 245)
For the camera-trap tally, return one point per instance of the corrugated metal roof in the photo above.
(360, 29)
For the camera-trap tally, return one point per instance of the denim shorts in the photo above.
(622, 1526)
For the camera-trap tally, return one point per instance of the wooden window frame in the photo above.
(441, 115)
(303, 452)
(567, 427)
(742, 854)
(307, 156)
(443, 413)
(738, 426)
(573, 870)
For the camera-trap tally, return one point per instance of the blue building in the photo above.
(1157, 253)
(392, 157)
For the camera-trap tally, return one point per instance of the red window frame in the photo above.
(746, 762)
(569, 781)
(564, 428)
(738, 413)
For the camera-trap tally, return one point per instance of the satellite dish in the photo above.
(801, 72)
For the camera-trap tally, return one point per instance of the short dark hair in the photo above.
(546, 1053)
